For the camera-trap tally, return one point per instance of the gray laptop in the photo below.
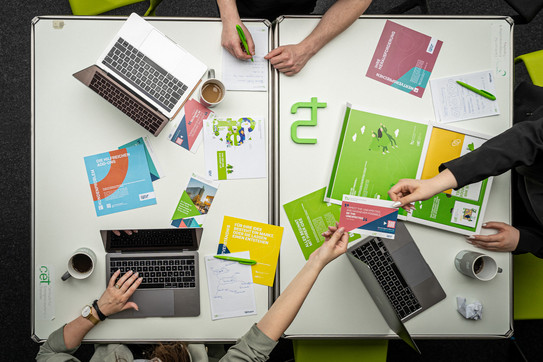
(397, 277)
(144, 74)
(167, 259)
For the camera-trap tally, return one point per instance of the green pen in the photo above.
(478, 91)
(239, 260)
(243, 40)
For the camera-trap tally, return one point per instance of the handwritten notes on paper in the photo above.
(230, 284)
(248, 75)
(452, 102)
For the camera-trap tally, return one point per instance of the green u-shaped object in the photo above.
(314, 105)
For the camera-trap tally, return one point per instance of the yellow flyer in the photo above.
(261, 240)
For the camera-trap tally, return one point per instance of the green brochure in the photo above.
(375, 151)
(309, 217)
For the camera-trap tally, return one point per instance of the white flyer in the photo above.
(235, 148)
(230, 285)
(453, 102)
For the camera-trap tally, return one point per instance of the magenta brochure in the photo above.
(404, 58)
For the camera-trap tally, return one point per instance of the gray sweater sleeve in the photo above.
(54, 349)
(253, 346)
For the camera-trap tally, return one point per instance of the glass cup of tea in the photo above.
(212, 91)
(81, 264)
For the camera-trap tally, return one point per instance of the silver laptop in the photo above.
(167, 260)
(144, 74)
(397, 277)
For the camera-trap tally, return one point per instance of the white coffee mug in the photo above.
(476, 265)
(81, 264)
(212, 91)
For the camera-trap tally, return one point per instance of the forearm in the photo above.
(228, 11)
(445, 180)
(76, 330)
(338, 18)
(284, 310)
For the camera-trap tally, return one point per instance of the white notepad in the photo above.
(244, 75)
(230, 284)
(452, 102)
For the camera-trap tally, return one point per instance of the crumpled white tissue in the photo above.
(469, 311)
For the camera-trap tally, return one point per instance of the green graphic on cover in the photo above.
(374, 152)
(309, 217)
(185, 208)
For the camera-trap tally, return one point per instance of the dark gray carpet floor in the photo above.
(16, 344)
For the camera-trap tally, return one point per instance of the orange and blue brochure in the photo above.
(263, 241)
(120, 180)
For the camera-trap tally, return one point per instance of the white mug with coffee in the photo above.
(212, 91)
(81, 264)
(476, 265)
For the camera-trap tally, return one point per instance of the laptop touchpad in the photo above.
(154, 303)
(412, 264)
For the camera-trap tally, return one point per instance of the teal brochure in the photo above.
(120, 180)
(154, 170)
(309, 217)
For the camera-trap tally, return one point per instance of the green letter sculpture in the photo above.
(314, 105)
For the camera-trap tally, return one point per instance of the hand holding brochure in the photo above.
(367, 216)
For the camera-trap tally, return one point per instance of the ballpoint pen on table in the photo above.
(243, 40)
(239, 260)
(478, 91)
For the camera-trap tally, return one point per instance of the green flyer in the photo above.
(309, 217)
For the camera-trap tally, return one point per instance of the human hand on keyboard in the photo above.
(115, 297)
(127, 232)
(335, 244)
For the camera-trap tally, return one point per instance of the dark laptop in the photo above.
(397, 277)
(167, 259)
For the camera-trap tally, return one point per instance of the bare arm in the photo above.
(290, 59)
(286, 307)
(407, 191)
(113, 300)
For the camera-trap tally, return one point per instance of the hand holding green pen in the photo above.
(243, 39)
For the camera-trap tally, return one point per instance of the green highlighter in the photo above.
(239, 260)
(478, 91)
(243, 40)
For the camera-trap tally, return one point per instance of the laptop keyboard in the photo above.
(116, 96)
(144, 74)
(376, 256)
(153, 238)
(163, 272)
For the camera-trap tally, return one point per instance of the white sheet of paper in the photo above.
(235, 147)
(230, 284)
(452, 102)
(244, 74)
